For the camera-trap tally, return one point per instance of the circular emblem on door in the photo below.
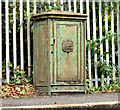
(67, 46)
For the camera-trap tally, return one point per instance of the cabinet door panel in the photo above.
(67, 51)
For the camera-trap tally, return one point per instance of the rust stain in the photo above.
(42, 69)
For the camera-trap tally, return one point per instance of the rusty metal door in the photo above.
(66, 53)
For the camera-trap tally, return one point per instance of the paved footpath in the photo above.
(63, 99)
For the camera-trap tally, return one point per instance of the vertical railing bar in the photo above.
(35, 7)
(28, 37)
(69, 5)
(118, 36)
(88, 38)
(107, 43)
(75, 6)
(14, 37)
(100, 34)
(54, 3)
(0, 43)
(94, 38)
(61, 4)
(7, 40)
(21, 35)
(113, 46)
(49, 3)
(81, 6)
(66, 7)
(100, 28)
(42, 2)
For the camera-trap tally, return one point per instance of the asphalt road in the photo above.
(61, 99)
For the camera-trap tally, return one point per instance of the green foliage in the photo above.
(104, 87)
(103, 68)
(89, 89)
(17, 76)
(47, 8)
(95, 48)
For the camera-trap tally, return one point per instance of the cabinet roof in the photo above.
(59, 14)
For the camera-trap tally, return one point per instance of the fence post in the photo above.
(94, 38)
(113, 46)
(0, 43)
(21, 35)
(14, 37)
(7, 40)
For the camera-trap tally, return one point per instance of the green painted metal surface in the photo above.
(59, 52)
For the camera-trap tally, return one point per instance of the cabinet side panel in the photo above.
(41, 53)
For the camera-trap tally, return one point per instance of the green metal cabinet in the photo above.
(59, 51)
